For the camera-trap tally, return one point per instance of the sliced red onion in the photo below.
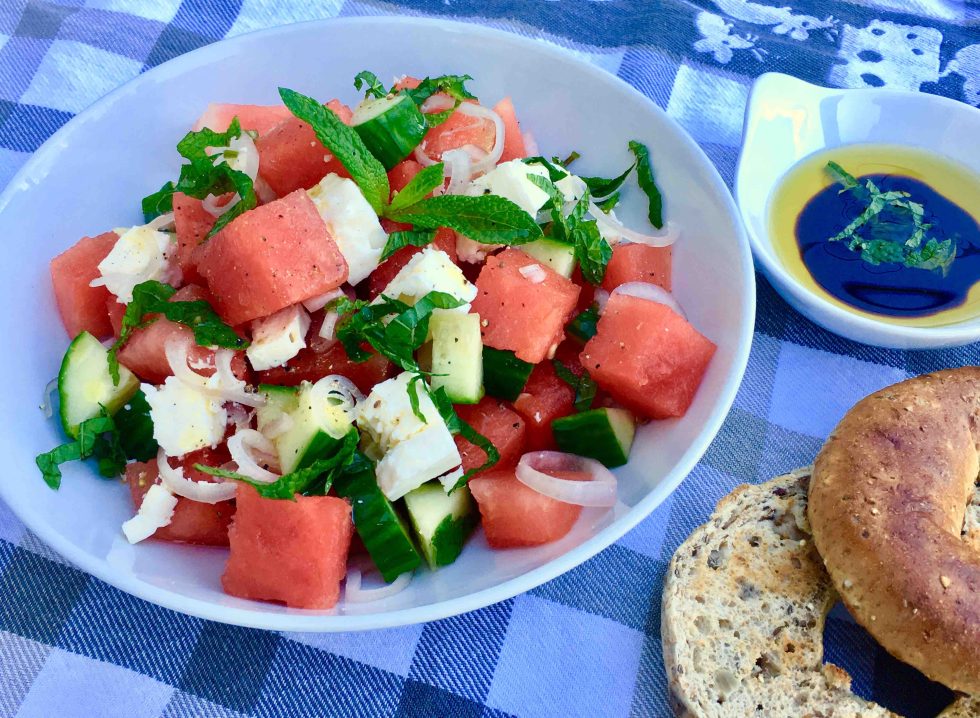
(651, 292)
(161, 222)
(665, 238)
(353, 593)
(247, 160)
(329, 326)
(263, 191)
(242, 444)
(223, 384)
(490, 161)
(458, 166)
(534, 272)
(600, 491)
(531, 144)
(315, 304)
(47, 405)
(278, 426)
(211, 206)
(240, 417)
(440, 102)
(336, 390)
(206, 492)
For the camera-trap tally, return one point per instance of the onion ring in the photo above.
(600, 491)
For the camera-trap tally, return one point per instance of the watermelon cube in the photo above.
(311, 365)
(516, 515)
(269, 258)
(513, 139)
(638, 263)
(193, 522)
(518, 313)
(115, 311)
(192, 223)
(83, 308)
(381, 277)
(500, 424)
(459, 130)
(258, 118)
(647, 356)
(292, 552)
(546, 397)
(291, 157)
(144, 353)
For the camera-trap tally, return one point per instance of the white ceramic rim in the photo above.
(480, 599)
(879, 333)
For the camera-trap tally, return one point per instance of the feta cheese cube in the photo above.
(412, 451)
(184, 419)
(352, 222)
(510, 180)
(278, 338)
(154, 513)
(139, 255)
(431, 270)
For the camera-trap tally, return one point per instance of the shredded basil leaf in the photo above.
(488, 218)
(371, 84)
(153, 297)
(601, 188)
(418, 187)
(647, 182)
(135, 429)
(86, 445)
(345, 144)
(585, 388)
(408, 238)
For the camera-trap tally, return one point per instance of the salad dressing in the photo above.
(810, 206)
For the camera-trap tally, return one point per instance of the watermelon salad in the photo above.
(397, 321)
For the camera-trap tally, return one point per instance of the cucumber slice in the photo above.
(279, 400)
(556, 255)
(391, 127)
(504, 375)
(457, 356)
(316, 428)
(85, 385)
(379, 524)
(602, 434)
(442, 521)
(583, 325)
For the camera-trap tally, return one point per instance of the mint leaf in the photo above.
(413, 396)
(600, 187)
(160, 202)
(555, 174)
(345, 144)
(135, 428)
(153, 297)
(371, 84)
(194, 146)
(842, 176)
(572, 156)
(647, 182)
(313, 480)
(585, 388)
(609, 204)
(584, 325)
(418, 187)
(408, 238)
(460, 427)
(487, 218)
(452, 85)
(83, 447)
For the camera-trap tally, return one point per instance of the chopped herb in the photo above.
(896, 232)
(135, 429)
(647, 182)
(371, 84)
(413, 396)
(488, 218)
(408, 238)
(583, 325)
(160, 202)
(572, 156)
(555, 174)
(460, 427)
(585, 388)
(601, 187)
(452, 85)
(313, 480)
(609, 203)
(345, 144)
(88, 442)
(418, 187)
(153, 297)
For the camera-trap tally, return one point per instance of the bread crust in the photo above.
(888, 506)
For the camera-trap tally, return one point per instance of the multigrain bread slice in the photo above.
(744, 605)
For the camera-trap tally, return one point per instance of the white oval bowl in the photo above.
(787, 120)
(91, 175)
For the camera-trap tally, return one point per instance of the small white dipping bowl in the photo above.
(91, 175)
(788, 120)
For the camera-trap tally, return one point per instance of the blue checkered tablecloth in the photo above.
(588, 643)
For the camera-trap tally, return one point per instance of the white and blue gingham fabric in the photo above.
(588, 643)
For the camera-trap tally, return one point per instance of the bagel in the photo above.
(744, 604)
(888, 505)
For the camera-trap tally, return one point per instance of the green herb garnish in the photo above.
(488, 218)
(135, 429)
(345, 144)
(371, 84)
(902, 242)
(647, 182)
(90, 442)
(160, 202)
(555, 173)
(452, 85)
(153, 297)
(407, 238)
(583, 325)
(601, 187)
(418, 188)
(460, 427)
(585, 388)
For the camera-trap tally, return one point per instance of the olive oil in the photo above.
(808, 208)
